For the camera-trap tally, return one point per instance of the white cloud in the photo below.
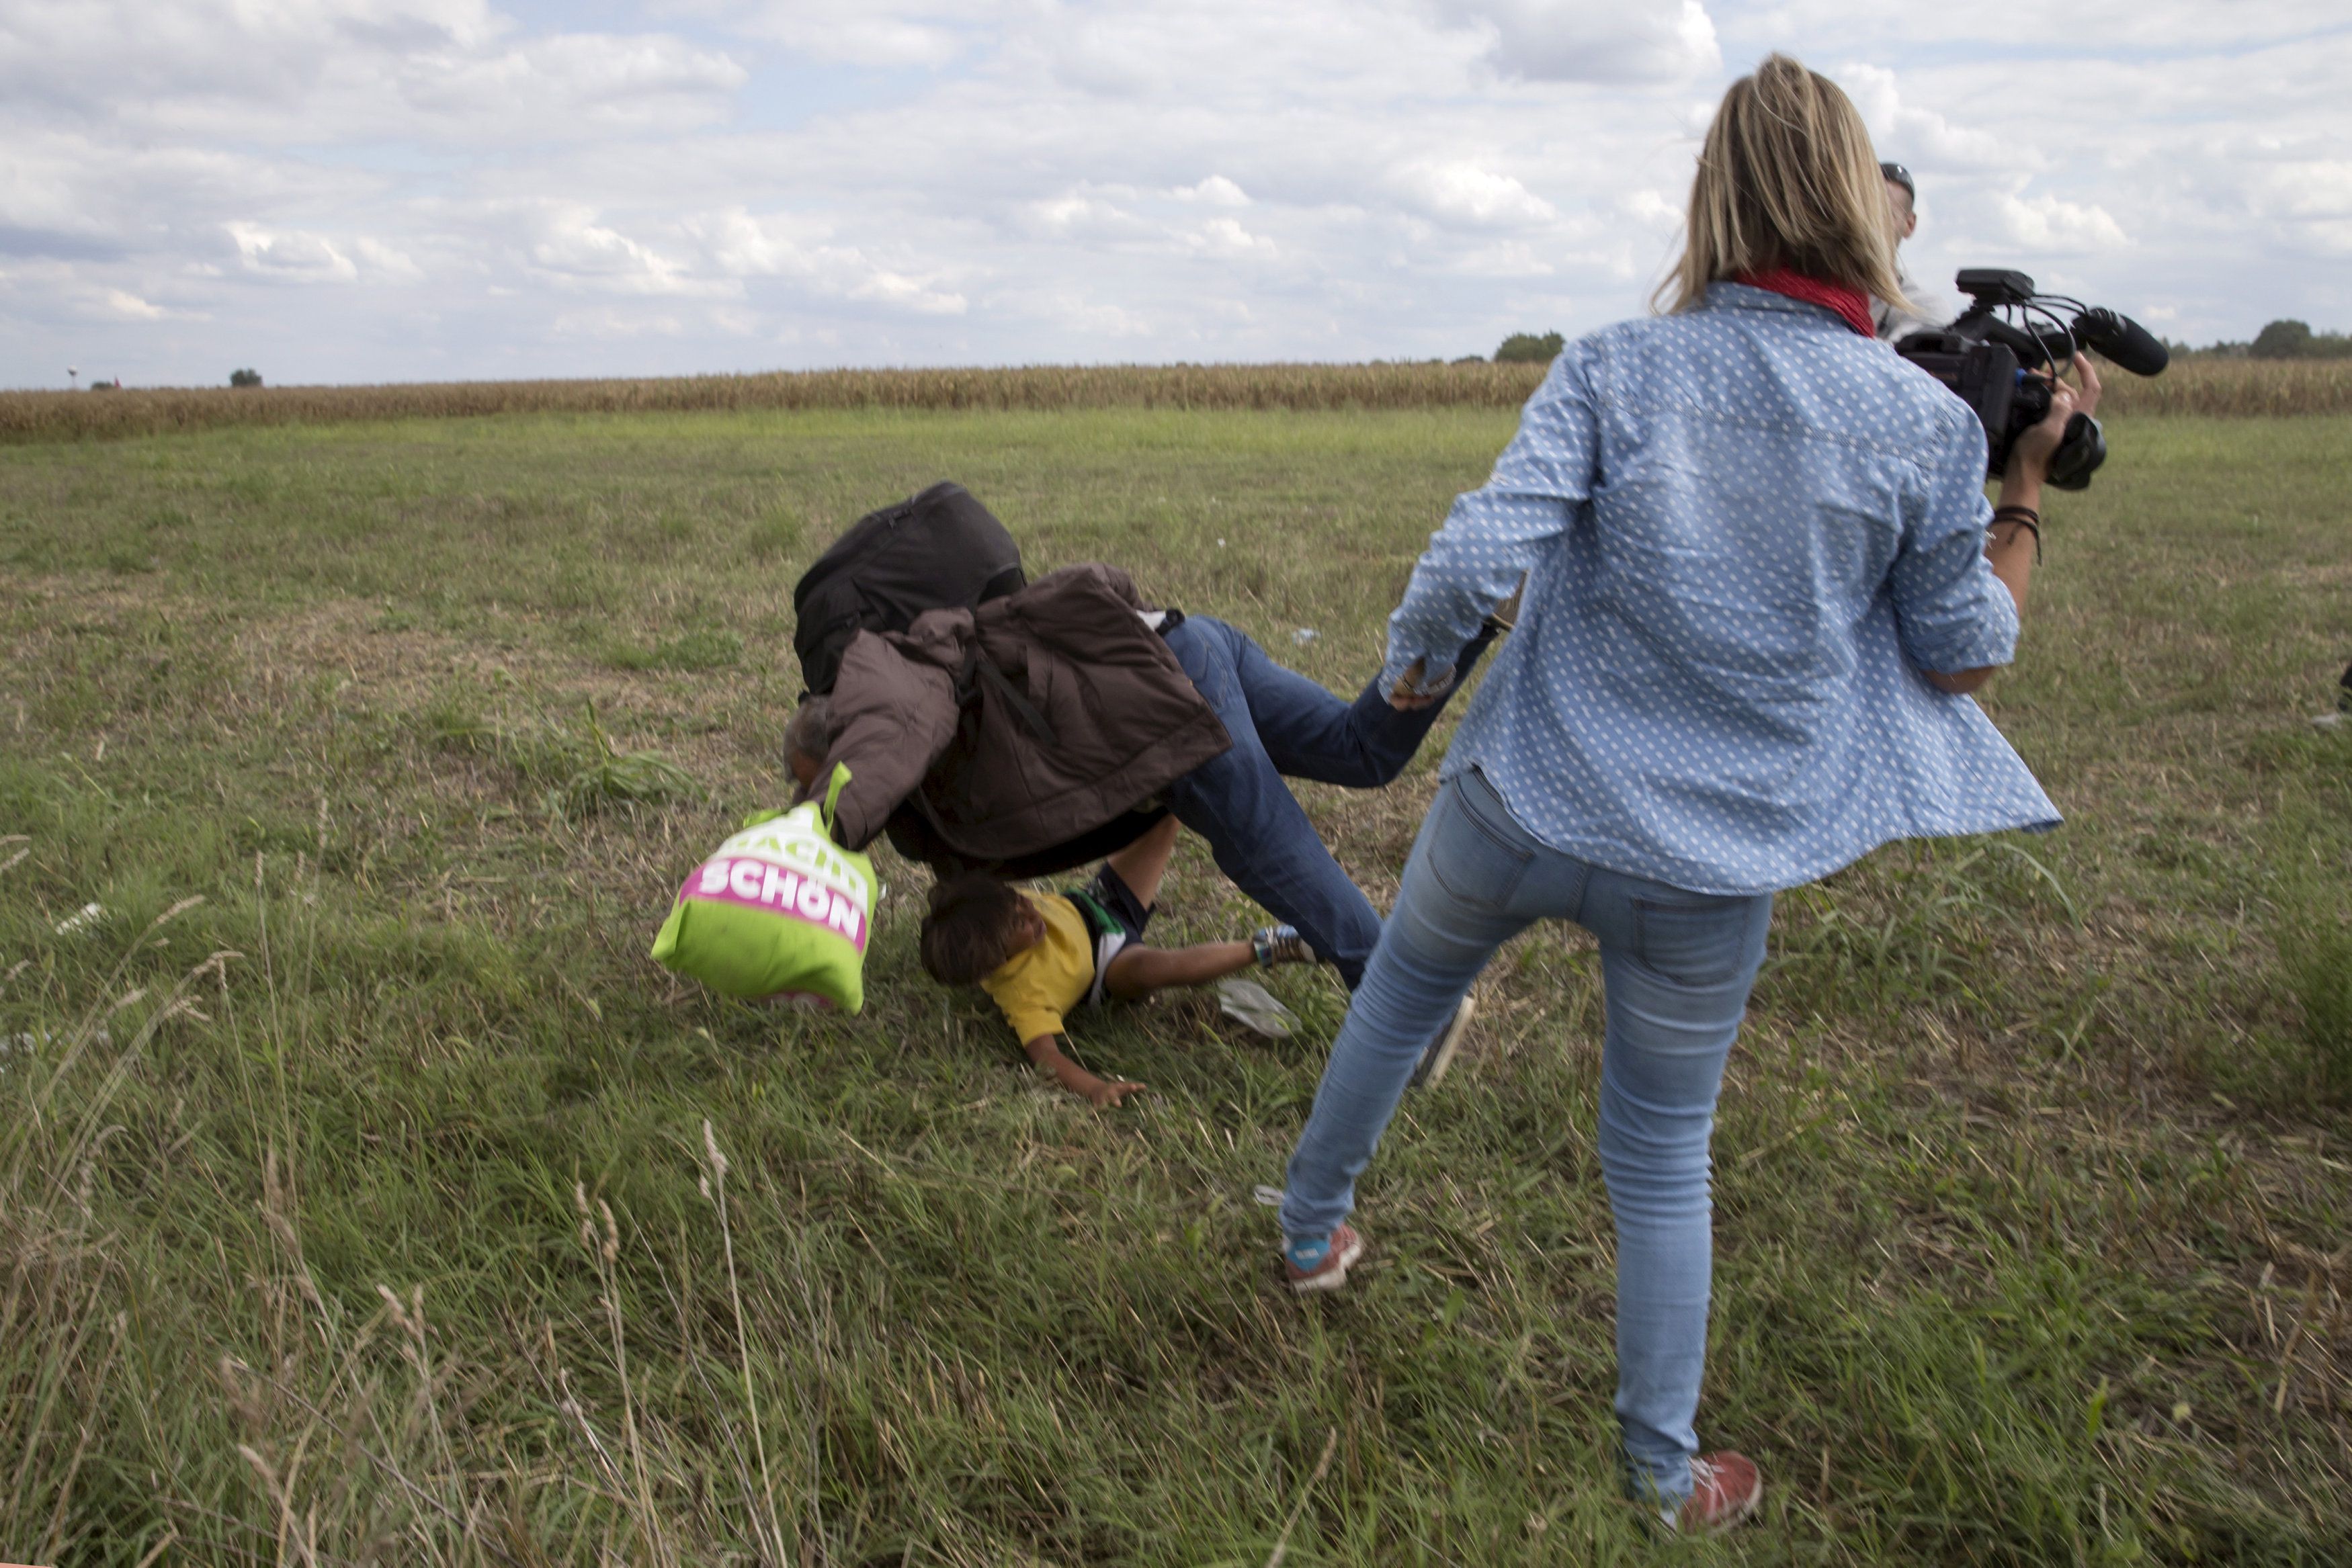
(1924, 136)
(1084, 215)
(562, 85)
(1651, 208)
(385, 263)
(739, 244)
(2047, 225)
(341, 190)
(1217, 191)
(908, 293)
(2175, 30)
(1462, 192)
(132, 306)
(1225, 238)
(606, 321)
(925, 34)
(1094, 321)
(291, 255)
(569, 244)
(1582, 41)
(316, 70)
(1507, 258)
(742, 245)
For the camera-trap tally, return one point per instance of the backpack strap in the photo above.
(991, 676)
(833, 790)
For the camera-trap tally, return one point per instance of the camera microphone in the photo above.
(1985, 352)
(2122, 340)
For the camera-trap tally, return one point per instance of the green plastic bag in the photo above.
(781, 911)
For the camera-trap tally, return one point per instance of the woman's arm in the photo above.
(1495, 533)
(2010, 548)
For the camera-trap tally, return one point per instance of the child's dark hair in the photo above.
(969, 930)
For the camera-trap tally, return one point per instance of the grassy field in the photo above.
(367, 1196)
(2227, 388)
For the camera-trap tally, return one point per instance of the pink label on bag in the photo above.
(773, 889)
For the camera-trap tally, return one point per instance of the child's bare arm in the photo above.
(1045, 1051)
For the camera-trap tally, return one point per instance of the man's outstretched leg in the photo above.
(1308, 733)
(1255, 829)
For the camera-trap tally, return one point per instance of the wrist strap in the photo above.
(2024, 517)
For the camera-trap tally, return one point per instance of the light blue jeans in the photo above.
(1675, 968)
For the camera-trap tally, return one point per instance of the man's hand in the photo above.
(1408, 694)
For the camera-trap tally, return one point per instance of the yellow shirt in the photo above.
(1037, 984)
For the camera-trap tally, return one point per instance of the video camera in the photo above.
(1989, 356)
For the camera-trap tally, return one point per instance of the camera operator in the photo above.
(1902, 218)
(1761, 572)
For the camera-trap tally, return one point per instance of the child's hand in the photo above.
(1105, 1094)
(1099, 1093)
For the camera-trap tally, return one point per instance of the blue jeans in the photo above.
(1675, 968)
(1283, 724)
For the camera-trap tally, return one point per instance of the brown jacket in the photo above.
(1017, 726)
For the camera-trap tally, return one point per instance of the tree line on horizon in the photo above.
(2283, 339)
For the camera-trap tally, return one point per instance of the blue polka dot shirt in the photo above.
(1746, 530)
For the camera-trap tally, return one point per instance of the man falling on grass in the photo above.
(1041, 956)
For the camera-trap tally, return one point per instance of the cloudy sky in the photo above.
(404, 190)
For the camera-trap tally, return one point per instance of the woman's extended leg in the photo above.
(1467, 889)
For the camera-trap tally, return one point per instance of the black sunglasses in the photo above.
(1896, 174)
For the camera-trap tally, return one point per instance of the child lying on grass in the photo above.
(1041, 955)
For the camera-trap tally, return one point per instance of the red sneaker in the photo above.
(1331, 1272)
(1724, 1490)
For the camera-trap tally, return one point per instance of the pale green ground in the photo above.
(2033, 1166)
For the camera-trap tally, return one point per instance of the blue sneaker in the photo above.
(1281, 944)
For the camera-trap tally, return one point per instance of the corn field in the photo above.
(2218, 387)
(56, 416)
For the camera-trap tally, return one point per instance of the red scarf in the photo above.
(1851, 304)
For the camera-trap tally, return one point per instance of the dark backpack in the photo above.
(941, 550)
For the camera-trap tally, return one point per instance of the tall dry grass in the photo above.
(67, 416)
(2234, 389)
(2224, 387)
(2082, 1296)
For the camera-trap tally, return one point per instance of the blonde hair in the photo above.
(1787, 178)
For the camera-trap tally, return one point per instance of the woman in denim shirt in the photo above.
(1761, 578)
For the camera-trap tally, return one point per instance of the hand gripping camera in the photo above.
(1991, 354)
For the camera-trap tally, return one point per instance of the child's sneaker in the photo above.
(1281, 944)
(1440, 1054)
(1253, 1008)
(1724, 1490)
(1312, 1266)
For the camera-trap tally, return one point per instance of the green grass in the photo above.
(2033, 1168)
